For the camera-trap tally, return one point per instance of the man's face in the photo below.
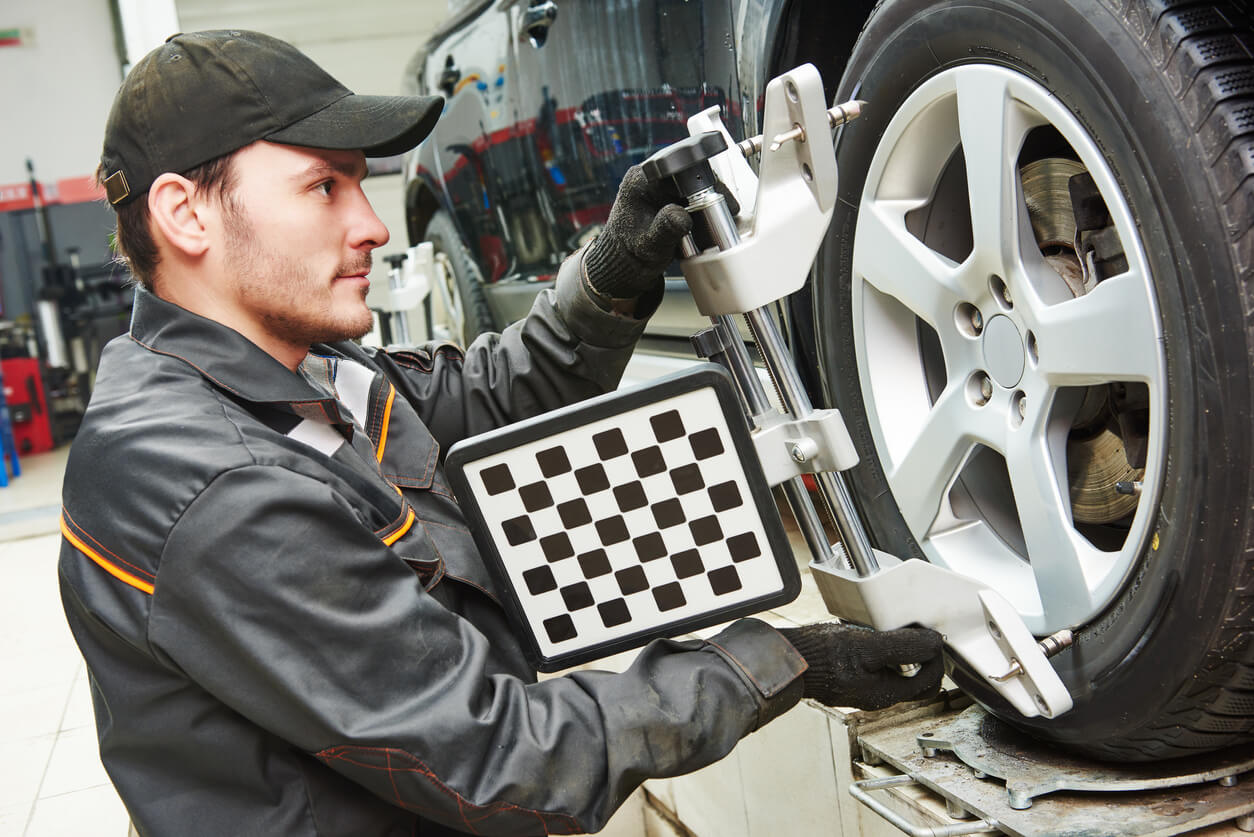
(298, 232)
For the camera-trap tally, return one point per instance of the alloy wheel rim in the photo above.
(975, 446)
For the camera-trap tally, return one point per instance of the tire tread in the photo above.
(1205, 51)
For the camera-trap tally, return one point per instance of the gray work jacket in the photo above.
(288, 627)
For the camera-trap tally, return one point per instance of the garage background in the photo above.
(62, 63)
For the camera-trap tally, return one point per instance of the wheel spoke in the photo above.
(898, 264)
(992, 127)
(1058, 553)
(1109, 334)
(922, 475)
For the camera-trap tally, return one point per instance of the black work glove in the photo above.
(640, 238)
(855, 666)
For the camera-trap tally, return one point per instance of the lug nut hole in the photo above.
(979, 388)
(969, 319)
(1001, 292)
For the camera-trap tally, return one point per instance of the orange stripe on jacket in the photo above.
(396, 536)
(387, 416)
(108, 566)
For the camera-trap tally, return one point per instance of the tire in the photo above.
(1001, 390)
(461, 287)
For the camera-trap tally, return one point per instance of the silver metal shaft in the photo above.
(400, 329)
(709, 208)
(836, 116)
(797, 401)
(740, 364)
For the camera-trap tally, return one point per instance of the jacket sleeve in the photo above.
(316, 631)
(565, 350)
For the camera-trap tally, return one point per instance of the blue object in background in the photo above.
(8, 449)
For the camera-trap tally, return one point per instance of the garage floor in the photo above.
(51, 780)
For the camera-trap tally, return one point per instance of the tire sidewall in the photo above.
(1154, 635)
(476, 313)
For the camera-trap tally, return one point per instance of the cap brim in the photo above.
(380, 126)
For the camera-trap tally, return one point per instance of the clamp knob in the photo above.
(688, 161)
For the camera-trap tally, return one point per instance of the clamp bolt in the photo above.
(802, 450)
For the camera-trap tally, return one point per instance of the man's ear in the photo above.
(177, 214)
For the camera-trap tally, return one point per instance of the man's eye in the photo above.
(325, 187)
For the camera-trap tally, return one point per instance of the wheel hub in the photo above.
(1003, 351)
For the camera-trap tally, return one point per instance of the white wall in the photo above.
(56, 88)
(145, 25)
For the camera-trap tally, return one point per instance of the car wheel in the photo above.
(1034, 308)
(459, 284)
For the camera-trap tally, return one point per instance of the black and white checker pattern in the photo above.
(627, 517)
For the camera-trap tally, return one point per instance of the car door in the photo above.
(598, 87)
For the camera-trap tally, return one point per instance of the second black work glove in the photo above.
(640, 238)
(854, 666)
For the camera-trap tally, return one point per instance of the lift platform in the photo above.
(958, 770)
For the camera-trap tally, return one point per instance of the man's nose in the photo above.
(368, 231)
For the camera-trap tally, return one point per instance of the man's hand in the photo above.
(640, 238)
(854, 666)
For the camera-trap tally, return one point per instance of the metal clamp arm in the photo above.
(796, 192)
(979, 625)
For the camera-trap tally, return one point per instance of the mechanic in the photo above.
(286, 623)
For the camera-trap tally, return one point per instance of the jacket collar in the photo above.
(229, 360)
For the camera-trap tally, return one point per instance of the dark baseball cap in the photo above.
(201, 95)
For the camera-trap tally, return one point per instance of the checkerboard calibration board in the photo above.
(639, 514)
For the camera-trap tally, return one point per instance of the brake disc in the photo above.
(1096, 458)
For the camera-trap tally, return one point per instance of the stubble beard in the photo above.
(284, 293)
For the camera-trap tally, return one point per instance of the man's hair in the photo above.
(136, 247)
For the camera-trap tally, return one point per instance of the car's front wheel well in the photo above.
(420, 205)
(821, 33)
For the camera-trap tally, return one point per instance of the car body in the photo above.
(534, 139)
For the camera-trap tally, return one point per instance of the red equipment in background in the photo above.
(28, 408)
